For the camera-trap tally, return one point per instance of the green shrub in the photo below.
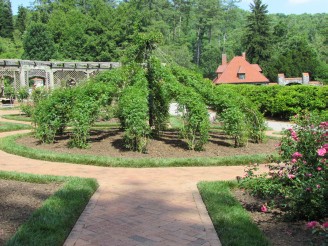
(283, 101)
(235, 125)
(22, 94)
(27, 108)
(133, 108)
(51, 114)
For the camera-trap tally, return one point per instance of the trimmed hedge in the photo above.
(284, 101)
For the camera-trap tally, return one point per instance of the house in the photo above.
(239, 71)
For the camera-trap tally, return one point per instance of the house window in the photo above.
(241, 76)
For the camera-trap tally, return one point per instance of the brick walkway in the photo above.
(148, 206)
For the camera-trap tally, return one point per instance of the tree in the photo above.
(6, 19)
(21, 21)
(38, 43)
(257, 36)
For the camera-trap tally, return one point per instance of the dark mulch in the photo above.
(168, 145)
(275, 227)
(17, 203)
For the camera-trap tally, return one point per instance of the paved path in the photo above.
(149, 206)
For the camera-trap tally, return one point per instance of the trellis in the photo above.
(54, 74)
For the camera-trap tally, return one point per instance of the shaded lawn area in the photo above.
(52, 222)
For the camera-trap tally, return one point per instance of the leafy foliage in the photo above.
(284, 101)
(257, 36)
(6, 19)
(299, 184)
(38, 43)
(133, 108)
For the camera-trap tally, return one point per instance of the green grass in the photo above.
(52, 223)
(7, 127)
(18, 117)
(8, 108)
(9, 145)
(176, 122)
(232, 223)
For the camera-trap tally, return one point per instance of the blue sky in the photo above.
(291, 6)
(274, 6)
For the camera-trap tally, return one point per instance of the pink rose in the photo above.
(264, 209)
(325, 225)
(319, 168)
(321, 152)
(311, 224)
(294, 160)
(318, 186)
(297, 155)
(291, 176)
(325, 146)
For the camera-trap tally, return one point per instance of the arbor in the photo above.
(6, 19)
(38, 43)
(257, 35)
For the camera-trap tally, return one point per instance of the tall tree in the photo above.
(6, 19)
(38, 43)
(257, 37)
(21, 21)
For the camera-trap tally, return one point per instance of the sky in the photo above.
(291, 6)
(274, 6)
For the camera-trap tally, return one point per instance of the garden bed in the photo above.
(272, 224)
(110, 143)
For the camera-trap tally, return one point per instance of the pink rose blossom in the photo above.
(324, 124)
(294, 160)
(264, 209)
(321, 152)
(311, 224)
(318, 186)
(309, 174)
(308, 189)
(297, 155)
(319, 168)
(325, 225)
(325, 146)
(291, 176)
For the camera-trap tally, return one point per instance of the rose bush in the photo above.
(299, 182)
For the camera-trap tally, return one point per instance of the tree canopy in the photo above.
(195, 32)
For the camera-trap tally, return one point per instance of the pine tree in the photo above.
(6, 19)
(21, 19)
(257, 38)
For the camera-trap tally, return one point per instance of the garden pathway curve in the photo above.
(145, 206)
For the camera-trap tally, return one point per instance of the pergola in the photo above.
(54, 73)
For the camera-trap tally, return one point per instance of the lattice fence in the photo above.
(61, 78)
(13, 76)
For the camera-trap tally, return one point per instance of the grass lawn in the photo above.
(7, 127)
(232, 223)
(18, 117)
(52, 223)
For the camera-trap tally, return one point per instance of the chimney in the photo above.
(244, 55)
(224, 59)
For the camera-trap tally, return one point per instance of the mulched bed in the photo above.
(278, 231)
(168, 145)
(17, 203)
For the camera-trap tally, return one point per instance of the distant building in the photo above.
(304, 80)
(239, 71)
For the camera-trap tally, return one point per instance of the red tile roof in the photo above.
(228, 74)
